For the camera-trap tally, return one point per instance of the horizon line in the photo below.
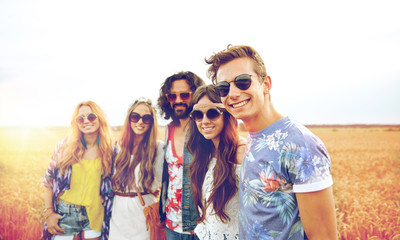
(162, 125)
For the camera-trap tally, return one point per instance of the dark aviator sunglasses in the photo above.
(147, 118)
(183, 95)
(243, 82)
(91, 117)
(212, 114)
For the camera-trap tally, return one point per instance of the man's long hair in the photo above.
(75, 149)
(164, 105)
(124, 175)
(224, 176)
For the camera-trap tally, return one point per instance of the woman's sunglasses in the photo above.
(243, 82)
(91, 117)
(183, 95)
(212, 114)
(135, 117)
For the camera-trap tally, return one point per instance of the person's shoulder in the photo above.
(60, 149)
(116, 147)
(63, 143)
(172, 124)
(160, 143)
(301, 135)
(242, 141)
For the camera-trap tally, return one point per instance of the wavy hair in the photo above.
(231, 53)
(75, 149)
(202, 149)
(124, 175)
(194, 82)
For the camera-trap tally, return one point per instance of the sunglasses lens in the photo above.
(147, 119)
(172, 96)
(185, 96)
(243, 82)
(91, 117)
(222, 88)
(212, 114)
(79, 120)
(135, 117)
(197, 115)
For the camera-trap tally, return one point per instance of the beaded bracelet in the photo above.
(48, 213)
(45, 210)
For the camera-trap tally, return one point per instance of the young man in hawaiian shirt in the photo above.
(285, 189)
(176, 201)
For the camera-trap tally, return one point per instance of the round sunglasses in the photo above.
(91, 117)
(146, 119)
(183, 95)
(212, 114)
(243, 82)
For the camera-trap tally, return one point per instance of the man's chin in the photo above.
(182, 114)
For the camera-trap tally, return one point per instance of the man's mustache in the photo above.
(179, 104)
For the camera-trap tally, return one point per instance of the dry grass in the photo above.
(366, 172)
(365, 168)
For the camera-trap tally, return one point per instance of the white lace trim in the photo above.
(212, 227)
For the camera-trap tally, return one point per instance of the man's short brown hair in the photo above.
(231, 53)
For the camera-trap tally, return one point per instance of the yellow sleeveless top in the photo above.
(85, 190)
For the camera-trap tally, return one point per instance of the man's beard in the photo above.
(182, 114)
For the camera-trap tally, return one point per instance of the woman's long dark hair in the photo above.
(124, 174)
(224, 176)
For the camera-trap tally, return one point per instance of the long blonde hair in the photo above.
(124, 175)
(75, 149)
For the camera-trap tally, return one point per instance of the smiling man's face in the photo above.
(242, 104)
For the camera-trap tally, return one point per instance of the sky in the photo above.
(331, 62)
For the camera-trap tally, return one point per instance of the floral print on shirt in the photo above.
(174, 201)
(281, 160)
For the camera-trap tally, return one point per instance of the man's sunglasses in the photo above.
(183, 95)
(212, 114)
(91, 117)
(135, 117)
(243, 82)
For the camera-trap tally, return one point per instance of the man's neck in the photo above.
(262, 120)
(179, 132)
(183, 124)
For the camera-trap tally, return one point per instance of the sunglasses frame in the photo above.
(180, 95)
(81, 119)
(206, 114)
(239, 79)
(148, 116)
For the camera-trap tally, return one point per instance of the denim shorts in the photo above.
(172, 235)
(73, 219)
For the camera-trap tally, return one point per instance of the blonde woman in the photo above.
(139, 160)
(77, 193)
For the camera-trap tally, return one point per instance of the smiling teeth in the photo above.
(207, 129)
(239, 104)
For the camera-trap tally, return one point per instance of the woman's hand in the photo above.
(52, 224)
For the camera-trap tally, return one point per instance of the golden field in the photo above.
(365, 168)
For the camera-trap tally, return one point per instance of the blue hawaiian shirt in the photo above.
(281, 160)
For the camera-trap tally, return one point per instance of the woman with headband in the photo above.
(217, 151)
(138, 162)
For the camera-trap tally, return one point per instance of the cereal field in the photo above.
(365, 168)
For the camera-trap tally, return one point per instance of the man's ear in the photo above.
(267, 84)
